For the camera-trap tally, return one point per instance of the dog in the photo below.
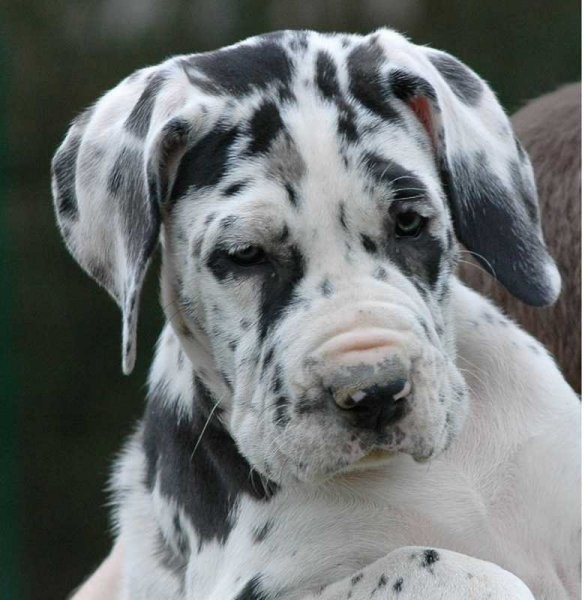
(331, 414)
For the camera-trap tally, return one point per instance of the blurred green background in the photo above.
(64, 404)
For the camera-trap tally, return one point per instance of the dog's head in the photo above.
(307, 190)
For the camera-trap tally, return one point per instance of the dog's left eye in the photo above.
(248, 256)
(409, 224)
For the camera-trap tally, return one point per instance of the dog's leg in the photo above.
(415, 572)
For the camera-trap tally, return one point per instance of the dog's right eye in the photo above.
(247, 256)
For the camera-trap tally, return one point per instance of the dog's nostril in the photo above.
(376, 405)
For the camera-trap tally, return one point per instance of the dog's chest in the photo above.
(307, 538)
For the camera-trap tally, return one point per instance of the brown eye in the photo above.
(248, 256)
(409, 224)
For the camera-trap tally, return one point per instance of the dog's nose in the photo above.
(375, 406)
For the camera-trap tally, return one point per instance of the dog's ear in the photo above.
(111, 177)
(486, 174)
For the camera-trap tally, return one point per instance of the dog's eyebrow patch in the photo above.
(240, 70)
(138, 120)
(363, 64)
(265, 125)
(205, 163)
(466, 86)
(326, 75)
(405, 184)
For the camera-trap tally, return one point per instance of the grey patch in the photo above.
(381, 274)
(259, 533)
(286, 162)
(281, 416)
(464, 83)
(138, 122)
(326, 288)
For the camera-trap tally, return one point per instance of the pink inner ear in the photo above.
(422, 109)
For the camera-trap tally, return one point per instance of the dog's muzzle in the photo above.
(367, 376)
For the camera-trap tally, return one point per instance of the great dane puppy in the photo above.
(331, 414)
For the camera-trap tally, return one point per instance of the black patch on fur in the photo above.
(465, 85)
(235, 188)
(252, 590)
(346, 122)
(206, 162)
(356, 578)
(342, 217)
(259, 534)
(405, 184)
(240, 70)
(63, 168)
(265, 126)
(405, 85)
(205, 482)
(363, 64)
(429, 558)
(278, 290)
(368, 244)
(397, 587)
(138, 120)
(326, 75)
(491, 222)
(291, 194)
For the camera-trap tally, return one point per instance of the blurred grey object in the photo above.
(549, 127)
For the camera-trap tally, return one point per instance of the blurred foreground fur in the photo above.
(550, 130)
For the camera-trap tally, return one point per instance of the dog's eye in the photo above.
(248, 255)
(409, 224)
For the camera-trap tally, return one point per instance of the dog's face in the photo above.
(310, 189)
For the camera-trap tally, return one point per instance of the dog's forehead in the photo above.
(304, 112)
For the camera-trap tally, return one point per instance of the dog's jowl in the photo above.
(330, 412)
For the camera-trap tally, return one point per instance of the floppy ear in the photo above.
(110, 179)
(486, 174)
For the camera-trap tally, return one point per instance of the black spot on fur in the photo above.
(278, 290)
(240, 70)
(206, 162)
(397, 587)
(368, 244)
(64, 168)
(464, 83)
(252, 590)
(346, 122)
(259, 534)
(138, 121)
(291, 194)
(326, 75)
(209, 218)
(206, 481)
(235, 188)
(356, 578)
(363, 64)
(342, 217)
(265, 125)
(429, 558)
